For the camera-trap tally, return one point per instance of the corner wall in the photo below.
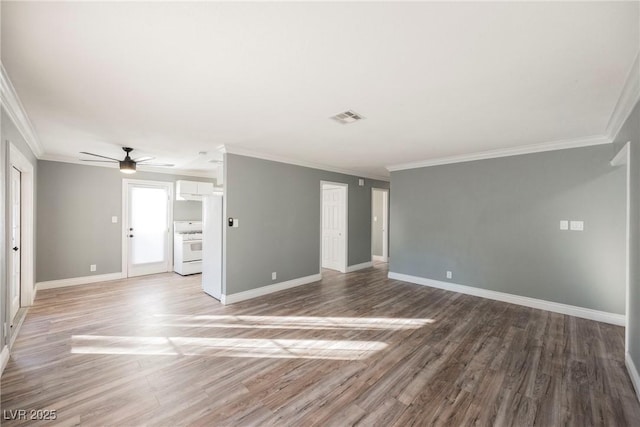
(495, 224)
(278, 207)
(630, 132)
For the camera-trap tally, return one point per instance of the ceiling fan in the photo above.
(127, 165)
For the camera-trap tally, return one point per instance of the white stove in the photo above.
(187, 247)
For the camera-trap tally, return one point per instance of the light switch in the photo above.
(564, 224)
(114, 219)
(576, 225)
(236, 223)
(375, 219)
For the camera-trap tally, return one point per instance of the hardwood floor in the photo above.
(355, 348)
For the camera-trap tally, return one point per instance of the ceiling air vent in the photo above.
(347, 117)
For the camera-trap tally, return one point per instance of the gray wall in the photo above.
(75, 206)
(631, 132)
(376, 238)
(10, 134)
(495, 224)
(278, 206)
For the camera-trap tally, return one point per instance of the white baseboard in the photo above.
(556, 307)
(357, 267)
(4, 358)
(74, 281)
(378, 258)
(633, 373)
(265, 290)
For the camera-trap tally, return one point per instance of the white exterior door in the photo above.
(334, 224)
(148, 227)
(16, 242)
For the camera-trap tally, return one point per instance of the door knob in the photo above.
(15, 249)
(130, 235)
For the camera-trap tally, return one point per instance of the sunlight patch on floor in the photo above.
(226, 347)
(290, 322)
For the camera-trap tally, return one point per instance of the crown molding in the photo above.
(166, 171)
(228, 149)
(627, 100)
(15, 110)
(506, 152)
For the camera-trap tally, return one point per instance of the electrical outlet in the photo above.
(576, 225)
(274, 275)
(92, 267)
(564, 224)
(449, 275)
(114, 219)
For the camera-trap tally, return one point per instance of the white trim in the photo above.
(626, 101)
(571, 310)
(125, 221)
(75, 281)
(274, 158)
(633, 373)
(506, 152)
(356, 267)
(141, 168)
(16, 111)
(4, 358)
(378, 258)
(345, 261)
(27, 215)
(265, 290)
(624, 157)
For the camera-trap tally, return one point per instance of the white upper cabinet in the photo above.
(192, 190)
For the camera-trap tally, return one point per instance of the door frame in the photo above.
(345, 261)
(125, 219)
(27, 214)
(385, 220)
(623, 158)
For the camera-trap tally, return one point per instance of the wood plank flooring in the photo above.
(353, 349)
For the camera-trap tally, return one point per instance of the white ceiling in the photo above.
(432, 79)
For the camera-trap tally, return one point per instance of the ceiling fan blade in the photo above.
(166, 165)
(98, 155)
(100, 161)
(143, 159)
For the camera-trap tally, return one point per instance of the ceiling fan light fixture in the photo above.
(128, 166)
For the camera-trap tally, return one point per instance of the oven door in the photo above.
(191, 250)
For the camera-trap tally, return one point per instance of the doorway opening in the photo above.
(380, 224)
(333, 226)
(147, 238)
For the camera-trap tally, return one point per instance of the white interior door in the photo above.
(334, 224)
(148, 228)
(16, 243)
